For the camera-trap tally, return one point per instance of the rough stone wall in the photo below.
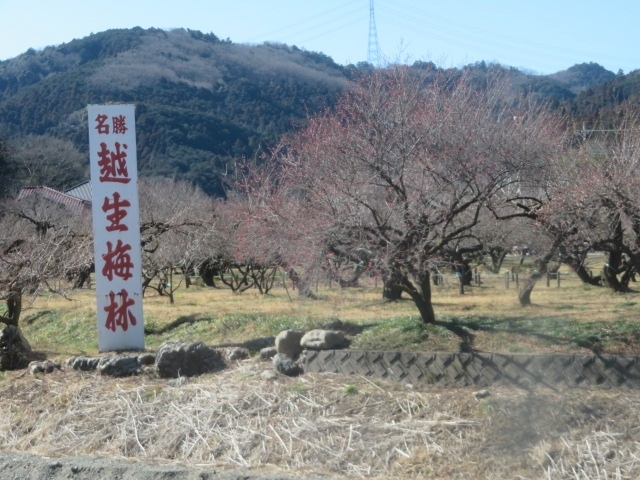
(482, 369)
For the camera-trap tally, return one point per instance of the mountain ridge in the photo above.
(203, 103)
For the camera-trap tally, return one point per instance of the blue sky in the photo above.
(542, 37)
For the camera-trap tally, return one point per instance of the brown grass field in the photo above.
(340, 426)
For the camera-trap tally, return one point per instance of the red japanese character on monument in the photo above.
(116, 226)
(102, 127)
(117, 261)
(113, 164)
(119, 124)
(118, 213)
(118, 314)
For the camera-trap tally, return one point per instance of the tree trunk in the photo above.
(208, 270)
(350, 282)
(391, 290)
(170, 288)
(421, 295)
(524, 296)
(14, 307)
(628, 276)
(610, 278)
(187, 273)
(583, 274)
(466, 274)
(497, 254)
(264, 277)
(302, 285)
(614, 264)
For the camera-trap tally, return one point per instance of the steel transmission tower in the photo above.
(373, 57)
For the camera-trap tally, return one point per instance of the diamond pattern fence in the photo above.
(481, 369)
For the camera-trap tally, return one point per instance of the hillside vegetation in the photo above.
(203, 103)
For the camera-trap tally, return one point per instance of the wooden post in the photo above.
(507, 276)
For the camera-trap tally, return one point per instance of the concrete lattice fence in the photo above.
(482, 369)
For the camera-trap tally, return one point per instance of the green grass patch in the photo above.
(486, 407)
(62, 332)
(221, 329)
(350, 389)
(626, 304)
(507, 334)
(564, 307)
(398, 333)
(299, 389)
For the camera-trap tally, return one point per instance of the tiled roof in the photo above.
(82, 191)
(74, 204)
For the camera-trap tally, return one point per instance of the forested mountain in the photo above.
(202, 103)
(583, 76)
(597, 105)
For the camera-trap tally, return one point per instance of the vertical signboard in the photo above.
(116, 226)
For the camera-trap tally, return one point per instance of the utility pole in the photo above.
(373, 57)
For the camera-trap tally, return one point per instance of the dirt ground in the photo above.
(17, 466)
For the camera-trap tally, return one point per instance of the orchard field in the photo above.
(566, 315)
(333, 425)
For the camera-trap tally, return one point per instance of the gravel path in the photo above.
(17, 466)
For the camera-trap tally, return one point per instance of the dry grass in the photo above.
(338, 425)
(569, 318)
